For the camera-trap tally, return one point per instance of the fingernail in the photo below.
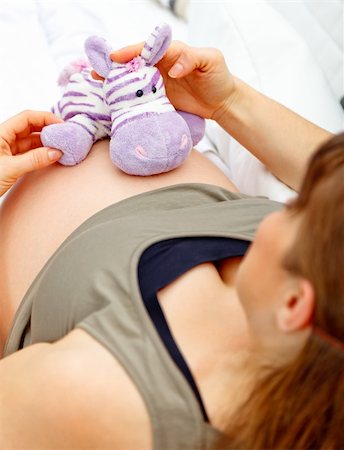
(176, 70)
(54, 155)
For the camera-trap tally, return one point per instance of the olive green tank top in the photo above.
(91, 282)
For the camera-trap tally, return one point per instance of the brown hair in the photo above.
(301, 405)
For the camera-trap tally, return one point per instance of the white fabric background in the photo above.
(264, 49)
(38, 38)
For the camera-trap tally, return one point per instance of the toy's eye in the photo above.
(153, 89)
(139, 93)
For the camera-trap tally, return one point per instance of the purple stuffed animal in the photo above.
(148, 136)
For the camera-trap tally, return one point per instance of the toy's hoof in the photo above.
(196, 125)
(71, 139)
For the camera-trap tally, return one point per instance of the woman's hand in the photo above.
(197, 80)
(282, 140)
(21, 149)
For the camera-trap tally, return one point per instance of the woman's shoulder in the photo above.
(77, 384)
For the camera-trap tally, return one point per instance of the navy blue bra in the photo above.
(165, 261)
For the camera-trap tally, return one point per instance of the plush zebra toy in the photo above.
(148, 136)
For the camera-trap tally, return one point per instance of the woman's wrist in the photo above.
(227, 110)
(281, 139)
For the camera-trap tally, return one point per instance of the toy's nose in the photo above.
(184, 142)
(140, 151)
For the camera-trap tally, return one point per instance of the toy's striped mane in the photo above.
(75, 66)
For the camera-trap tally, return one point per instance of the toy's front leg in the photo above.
(74, 138)
(196, 125)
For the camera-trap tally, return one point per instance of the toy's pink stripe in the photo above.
(117, 77)
(155, 79)
(119, 115)
(74, 94)
(94, 83)
(92, 116)
(121, 85)
(131, 119)
(97, 95)
(115, 88)
(125, 109)
(76, 104)
(147, 47)
(132, 95)
(85, 128)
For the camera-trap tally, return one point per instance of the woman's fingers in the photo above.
(13, 167)
(184, 59)
(125, 54)
(179, 60)
(31, 160)
(21, 148)
(25, 123)
(22, 145)
(27, 143)
(96, 76)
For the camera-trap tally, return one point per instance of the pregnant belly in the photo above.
(44, 207)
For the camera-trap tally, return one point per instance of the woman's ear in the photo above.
(298, 308)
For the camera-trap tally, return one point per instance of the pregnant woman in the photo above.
(135, 314)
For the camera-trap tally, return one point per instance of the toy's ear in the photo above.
(98, 53)
(157, 44)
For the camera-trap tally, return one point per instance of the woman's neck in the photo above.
(227, 375)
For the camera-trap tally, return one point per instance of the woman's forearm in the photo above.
(281, 139)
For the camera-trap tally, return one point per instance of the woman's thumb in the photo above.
(177, 70)
(187, 59)
(185, 62)
(125, 54)
(34, 160)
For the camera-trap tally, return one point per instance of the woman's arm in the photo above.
(72, 394)
(278, 137)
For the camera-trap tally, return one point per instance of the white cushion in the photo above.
(38, 38)
(27, 78)
(121, 22)
(320, 24)
(262, 49)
